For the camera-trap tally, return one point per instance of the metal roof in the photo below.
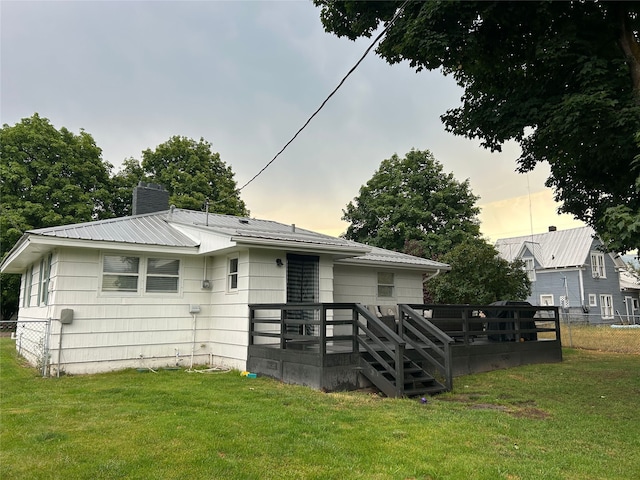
(377, 255)
(162, 229)
(556, 249)
(149, 229)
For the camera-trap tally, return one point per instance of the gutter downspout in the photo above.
(59, 350)
(431, 276)
(193, 344)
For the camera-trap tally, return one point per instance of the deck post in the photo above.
(448, 366)
(354, 340)
(323, 332)
(399, 371)
(465, 326)
(282, 328)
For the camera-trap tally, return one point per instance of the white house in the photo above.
(173, 287)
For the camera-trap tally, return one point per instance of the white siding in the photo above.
(360, 285)
(111, 330)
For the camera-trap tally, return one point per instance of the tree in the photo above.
(192, 173)
(411, 201)
(560, 78)
(47, 177)
(478, 276)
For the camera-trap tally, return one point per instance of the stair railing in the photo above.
(393, 345)
(428, 341)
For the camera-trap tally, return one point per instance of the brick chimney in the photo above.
(149, 198)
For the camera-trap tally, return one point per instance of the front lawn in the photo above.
(573, 420)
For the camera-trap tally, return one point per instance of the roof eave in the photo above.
(390, 264)
(31, 246)
(293, 245)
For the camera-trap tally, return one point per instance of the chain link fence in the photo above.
(581, 330)
(32, 341)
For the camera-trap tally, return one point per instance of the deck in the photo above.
(417, 350)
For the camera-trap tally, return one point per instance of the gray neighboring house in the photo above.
(568, 269)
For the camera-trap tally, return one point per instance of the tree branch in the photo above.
(631, 48)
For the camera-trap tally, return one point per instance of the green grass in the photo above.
(573, 420)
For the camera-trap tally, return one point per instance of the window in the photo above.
(163, 275)
(120, 274)
(530, 268)
(233, 274)
(125, 274)
(546, 300)
(28, 279)
(606, 306)
(593, 300)
(45, 275)
(385, 285)
(597, 265)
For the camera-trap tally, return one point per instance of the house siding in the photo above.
(113, 331)
(360, 285)
(580, 283)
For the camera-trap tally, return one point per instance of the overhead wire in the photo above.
(366, 52)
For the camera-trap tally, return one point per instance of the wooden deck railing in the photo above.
(431, 343)
(332, 328)
(494, 323)
(315, 328)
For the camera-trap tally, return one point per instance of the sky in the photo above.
(245, 76)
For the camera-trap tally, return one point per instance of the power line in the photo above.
(397, 14)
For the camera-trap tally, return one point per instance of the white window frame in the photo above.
(384, 286)
(606, 306)
(28, 286)
(548, 298)
(45, 277)
(530, 268)
(598, 269)
(233, 268)
(593, 300)
(142, 275)
(148, 275)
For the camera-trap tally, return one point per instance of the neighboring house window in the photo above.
(593, 300)
(233, 274)
(385, 284)
(163, 275)
(530, 268)
(606, 306)
(546, 300)
(597, 265)
(564, 301)
(45, 276)
(120, 274)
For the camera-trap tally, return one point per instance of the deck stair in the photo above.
(409, 381)
(384, 361)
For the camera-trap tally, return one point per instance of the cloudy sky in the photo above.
(245, 76)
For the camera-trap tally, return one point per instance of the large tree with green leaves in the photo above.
(478, 276)
(192, 173)
(560, 78)
(47, 177)
(412, 201)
